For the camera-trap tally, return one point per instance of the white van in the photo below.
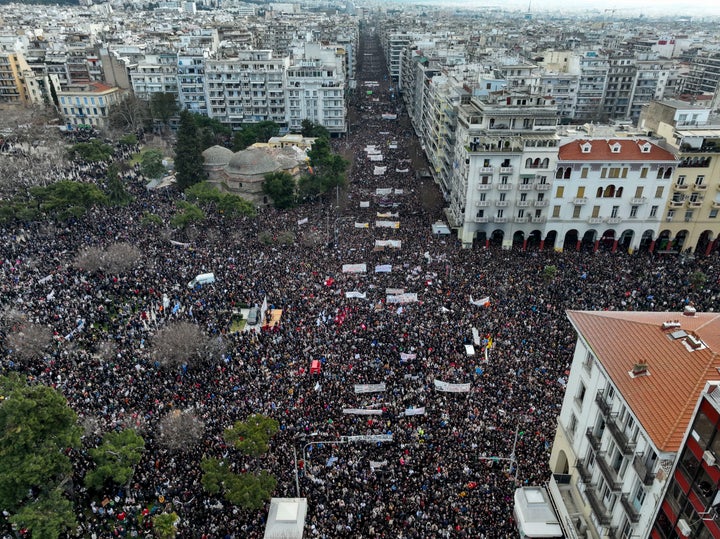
(203, 278)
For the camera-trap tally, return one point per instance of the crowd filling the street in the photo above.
(416, 384)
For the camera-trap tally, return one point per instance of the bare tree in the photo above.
(129, 114)
(185, 343)
(181, 430)
(28, 340)
(117, 258)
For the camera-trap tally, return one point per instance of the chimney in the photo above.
(639, 369)
(689, 310)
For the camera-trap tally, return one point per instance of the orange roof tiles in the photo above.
(601, 151)
(663, 401)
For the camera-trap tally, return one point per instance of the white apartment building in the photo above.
(191, 80)
(630, 395)
(155, 73)
(316, 88)
(502, 169)
(249, 88)
(609, 193)
(88, 104)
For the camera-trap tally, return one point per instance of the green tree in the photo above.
(128, 140)
(329, 168)
(248, 490)
(188, 153)
(164, 525)
(312, 129)
(92, 151)
(697, 279)
(117, 195)
(252, 133)
(251, 437)
(36, 428)
(163, 106)
(231, 205)
(66, 198)
(190, 214)
(150, 219)
(211, 131)
(115, 459)
(151, 164)
(280, 186)
(549, 273)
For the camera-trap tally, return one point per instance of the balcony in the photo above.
(525, 186)
(638, 200)
(540, 203)
(506, 170)
(596, 220)
(614, 220)
(482, 219)
(585, 474)
(716, 204)
(580, 201)
(484, 186)
(487, 170)
(542, 186)
(603, 404)
(594, 440)
(676, 203)
(700, 187)
(681, 186)
(501, 203)
(538, 219)
(695, 203)
(646, 475)
(504, 186)
(626, 446)
(521, 219)
(500, 220)
(482, 203)
(597, 506)
(629, 508)
(522, 203)
(608, 472)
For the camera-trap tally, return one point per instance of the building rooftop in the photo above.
(680, 358)
(610, 150)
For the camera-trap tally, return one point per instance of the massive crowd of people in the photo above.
(449, 469)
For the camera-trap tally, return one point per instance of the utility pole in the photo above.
(297, 481)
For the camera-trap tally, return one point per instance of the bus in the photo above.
(534, 513)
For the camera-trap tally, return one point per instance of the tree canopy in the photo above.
(227, 204)
(312, 129)
(280, 186)
(115, 459)
(251, 437)
(151, 164)
(188, 152)
(36, 429)
(92, 151)
(247, 490)
(117, 194)
(249, 134)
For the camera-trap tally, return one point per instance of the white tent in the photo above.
(286, 518)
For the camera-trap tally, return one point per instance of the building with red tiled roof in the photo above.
(88, 104)
(630, 395)
(609, 193)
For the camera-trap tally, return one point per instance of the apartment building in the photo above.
(191, 80)
(248, 88)
(155, 73)
(592, 69)
(17, 81)
(633, 386)
(84, 105)
(608, 193)
(504, 158)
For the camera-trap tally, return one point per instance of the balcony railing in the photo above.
(700, 187)
(501, 203)
(585, 474)
(500, 219)
(594, 440)
(540, 203)
(484, 186)
(638, 200)
(603, 404)
(681, 186)
(608, 472)
(596, 220)
(482, 203)
(676, 203)
(486, 170)
(626, 446)
(614, 220)
(504, 186)
(632, 513)
(646, 475)
(542, 186)
(522, 203)
(538, 219)
(525, 186)
(521, 219)
(597, 506)
(506, 170)
(580, 201)
(482, 219)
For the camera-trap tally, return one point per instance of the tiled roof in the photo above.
(600, 150)
(664, 400)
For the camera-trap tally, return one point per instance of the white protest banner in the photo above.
(362, 225)
(45, 279)
(405, 356)
(354, 268)
(369, 388)
(379, 171)
(408, 297)
(377, 157)
(383, 268)
(402, 170)
(302, 221)
(476, 337)
(395, 244)
(387, 215)
(415, 411)
(470, 349)
(383, 191)
(372, 438)
(399, 191)
(364, 203)
(387, 224)
(179, 243)
(388, 116)
(377, 464)
(393, 146)
(394, 291)
(482, 302)
(362, 411)
(451, 388)
(360, 295)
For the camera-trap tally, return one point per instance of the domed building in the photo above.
(243, 172)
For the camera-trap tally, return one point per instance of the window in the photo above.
(639, 192)
(659, 192)
(653, 211)
(614, 212)
(580, 192)
(713, 214)
(500, 213)
(560, 191)
(581, 395)
(502, 197)
(603, 173)
(556, 211)
(482, 196)
(670, 215)
(480, 214)
(584, 172)
(644, 172)
(576, 212)
(521, 213)
(633, 211)
(504, 180)
(572, 425)
(702, 430)
(541, 197)
(699, 180)
(689, 216)
(681, 180)
(613, 172)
